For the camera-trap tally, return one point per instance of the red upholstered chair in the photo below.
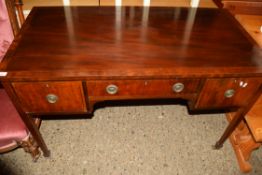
(13, 132)
(6, 35)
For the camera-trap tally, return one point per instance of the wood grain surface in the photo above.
(104, 42)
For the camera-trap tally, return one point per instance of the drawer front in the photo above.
(55, 97)
(142, 88)
(228, 92)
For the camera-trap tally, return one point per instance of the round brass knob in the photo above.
(178, 87)
(51, 98)
(111, 89)
(229, 93)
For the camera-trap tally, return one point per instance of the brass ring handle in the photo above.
(229, 93)
(178, 87)
(111, 89)
(51, 98)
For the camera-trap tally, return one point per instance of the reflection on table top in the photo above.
(109, 41)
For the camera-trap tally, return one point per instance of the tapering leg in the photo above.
(238, 117)
(27, 119)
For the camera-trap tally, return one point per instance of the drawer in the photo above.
(228, 92)
(142, 88)
(54, 97)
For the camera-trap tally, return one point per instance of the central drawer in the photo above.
(51, 97)
(113, 89)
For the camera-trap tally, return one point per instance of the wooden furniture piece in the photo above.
(29, 4)
(241, 6)
(254, 120)
(15, 12)
(159, 3)
(13, 132)
(253, 25)
(243, 143)
(248, 136)
(245, 138)
(66, 59)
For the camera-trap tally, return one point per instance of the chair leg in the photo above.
(30, 146)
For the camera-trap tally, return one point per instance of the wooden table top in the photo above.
(134, 42)
(253, 25)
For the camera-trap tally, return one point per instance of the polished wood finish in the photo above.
(15, 12)
(10, 5)
(81, 50)
(246, 137)
(238, 117)
(213, 93)
(159, 3)
(142, 88)
(27, 119)
(254, 120)
(19, 7)
(33, 96)
(253, 25)
(243, 144)
(123, 2)
(241, 6)
(244, 6)
(143, 51)
(29, 4)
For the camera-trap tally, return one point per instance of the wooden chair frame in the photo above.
(16, 16)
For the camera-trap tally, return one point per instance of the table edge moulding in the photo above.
(66, 59)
